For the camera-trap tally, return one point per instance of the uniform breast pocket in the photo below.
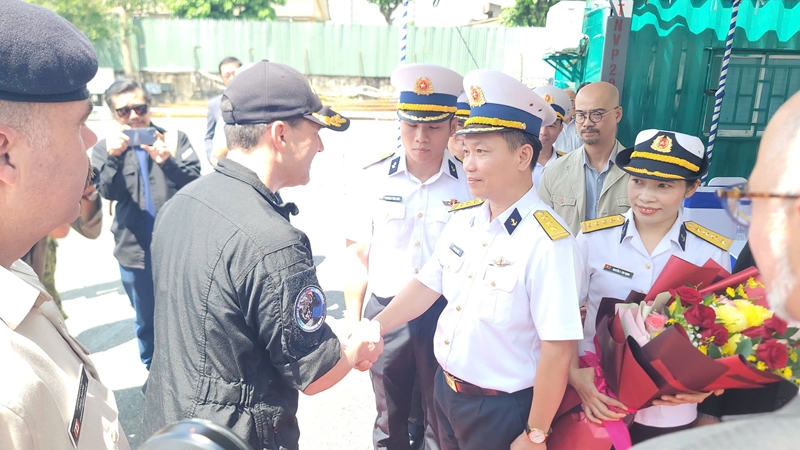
(623, 204)
(563, 200)
(389, 218)
(496, 304)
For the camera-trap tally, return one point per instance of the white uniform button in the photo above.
(419, 215)
(416, 270)
(447, 342)
(458, 308)
(423, 186)
(647, 266)
(492, 283)
(416, 243)
(485, 244)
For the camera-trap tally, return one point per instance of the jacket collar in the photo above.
(239, 172)
(21, 292)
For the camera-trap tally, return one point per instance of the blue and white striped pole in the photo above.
(403, 36)
(723, 76)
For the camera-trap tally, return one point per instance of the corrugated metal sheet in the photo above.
(328, 49)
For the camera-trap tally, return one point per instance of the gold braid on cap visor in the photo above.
(426, 108)
(496, 122)
(666, 159)
(655, 174)
(462, 112)
(423, 119)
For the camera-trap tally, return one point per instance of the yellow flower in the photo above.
(751, 358)
(670, 321)
(703, 349)
(729, 348)
(740, 291)
(752, 283)
(761, 365)
(787, 372)
(756, 315)
(731, 293)
(793, 356)
(732, 318)
(672, 307)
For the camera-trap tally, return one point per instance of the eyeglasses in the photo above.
(125, 111)
(736, 200)
(594, 116)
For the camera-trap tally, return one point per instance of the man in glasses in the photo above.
(227, 70)
(140, 178)
(586, 184)
(774, 192)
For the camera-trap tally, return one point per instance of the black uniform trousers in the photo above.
(479, 422)
(407, 356)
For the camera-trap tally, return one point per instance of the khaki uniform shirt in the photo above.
(563, 188)
(41, 376)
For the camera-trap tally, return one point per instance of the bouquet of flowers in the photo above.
(680, 339)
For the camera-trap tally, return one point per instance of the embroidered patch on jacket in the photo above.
(310, 309)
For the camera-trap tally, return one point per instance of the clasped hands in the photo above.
(596, 405)
(365, 338)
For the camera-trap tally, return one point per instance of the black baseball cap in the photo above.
(268, 91)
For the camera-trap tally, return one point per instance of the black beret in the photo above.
(269, 91)
(43, 58)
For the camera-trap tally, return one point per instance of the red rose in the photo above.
(773, 353)
(718, 332)
(688, 296)
(777, 325)
(758, 332)
(700, 316)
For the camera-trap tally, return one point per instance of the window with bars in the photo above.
(758, 84)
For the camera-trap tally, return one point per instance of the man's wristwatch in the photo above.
(536, 435)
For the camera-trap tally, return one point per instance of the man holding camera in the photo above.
(141, 166)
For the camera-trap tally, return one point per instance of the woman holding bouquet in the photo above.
(628, 252)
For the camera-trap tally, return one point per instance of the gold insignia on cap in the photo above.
(476, 97)
(551, 226)
(548, 98)
(662, 144)
(709, 236)
(423, 86)
(334, 121)
(588, 226)
(468, 204)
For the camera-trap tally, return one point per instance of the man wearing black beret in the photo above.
(50, 395)
(239, 313)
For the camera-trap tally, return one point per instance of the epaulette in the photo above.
(382, 158)
(467, 204)
(458, 159)
(551, 226)
(588, 226)
(560, 154)
(709, 236)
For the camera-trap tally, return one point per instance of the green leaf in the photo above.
(714, 351)
(745, 347)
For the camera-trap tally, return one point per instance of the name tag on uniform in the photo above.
(76, 424)
(455, 249)
(392, 198)
(618, 271)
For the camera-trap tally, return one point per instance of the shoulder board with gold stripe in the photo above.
(588, 226)
(467, 204)
(709, 236)
(382, 158)
(560, 154)
(551, 226)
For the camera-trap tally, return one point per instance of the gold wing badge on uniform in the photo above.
(709, 236)
(500, 262)
(552, 228)
(468, 204)
(602, 223)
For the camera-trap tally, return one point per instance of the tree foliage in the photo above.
(223, 9)
(92, 17)
(387, 8)
(527, 13)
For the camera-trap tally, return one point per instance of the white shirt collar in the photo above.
(21, 292)
(446, 167)
(523, 206)
(630, 233)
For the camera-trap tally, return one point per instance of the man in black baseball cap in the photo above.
(239, 313)
(45, 63)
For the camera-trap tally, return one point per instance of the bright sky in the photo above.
(449, 13)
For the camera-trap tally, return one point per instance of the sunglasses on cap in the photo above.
(125, 111)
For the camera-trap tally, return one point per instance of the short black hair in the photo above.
(228, 60)
(516, 139)
(124, 86)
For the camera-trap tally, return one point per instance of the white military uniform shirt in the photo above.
(402, 217)
(621, 247)
(509, 286)
(539, 169)
(41, 374)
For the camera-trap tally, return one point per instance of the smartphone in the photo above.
(141, 136)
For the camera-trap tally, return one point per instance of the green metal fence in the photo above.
(328, 49)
